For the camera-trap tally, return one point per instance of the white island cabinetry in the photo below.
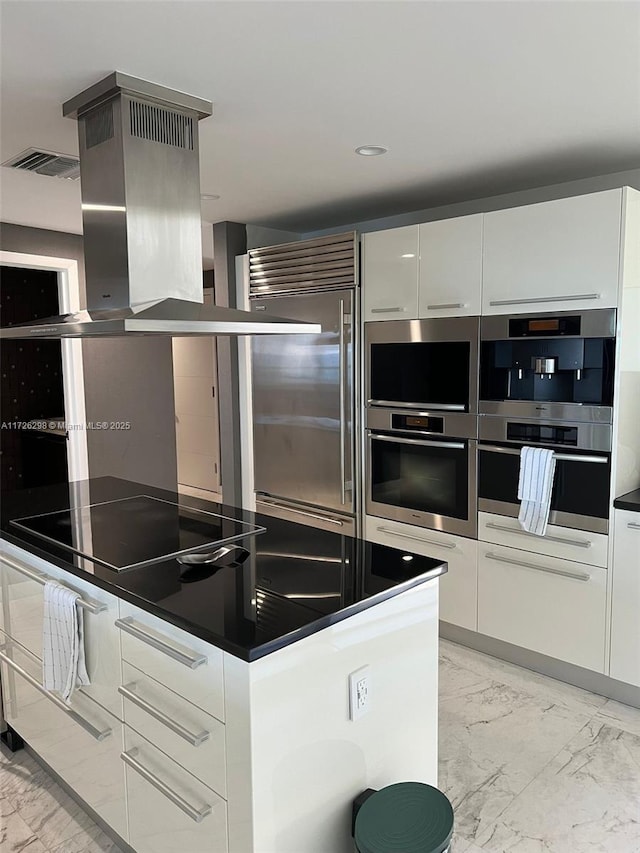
(211, 753)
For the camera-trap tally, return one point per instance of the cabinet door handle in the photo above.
(566, 573)
(396, 309)
(194, 739)
(187, 657)
(448, 545)
(574, 297)
(196, 814)
(633, 525)
(447, 305)
(91, 606)
(578, 543)
(85, 724)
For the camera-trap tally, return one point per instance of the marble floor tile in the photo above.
(620, 716)
(522, 679)
(586, 800)
(462, 845)
(92, 840)
(15, 835)
(494, 740)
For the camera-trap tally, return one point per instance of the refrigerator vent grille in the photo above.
(326, 262)
(161, 125)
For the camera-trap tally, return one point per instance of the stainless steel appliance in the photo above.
(560, 366)
(423, 364)
(580, 497)
(139, 165)
(421, 468)
(304, 387)
(546, 380)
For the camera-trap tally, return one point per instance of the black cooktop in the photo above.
(285, 584)
(135, 531)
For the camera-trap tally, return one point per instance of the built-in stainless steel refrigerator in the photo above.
(304, 386)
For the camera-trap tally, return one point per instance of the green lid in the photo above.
(409, 817)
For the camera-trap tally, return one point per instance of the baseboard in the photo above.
(78, 799)
(594, 682)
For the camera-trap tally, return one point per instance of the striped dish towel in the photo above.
(63, 662)
(537, 469)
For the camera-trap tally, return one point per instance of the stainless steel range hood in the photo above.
(140, 178)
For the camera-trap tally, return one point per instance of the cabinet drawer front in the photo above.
(23, 610)
(625, 625)
(562, 542)
(169, 809)
(194, 739)
(91, 767)
(458, 588)
(555, 607)
(183, 663)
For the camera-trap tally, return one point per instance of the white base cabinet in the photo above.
(551, 606)
(625, 610)
(459, 587)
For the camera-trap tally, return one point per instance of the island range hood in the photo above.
(140, 179)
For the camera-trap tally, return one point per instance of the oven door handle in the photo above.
(450, 445)
(561, 457)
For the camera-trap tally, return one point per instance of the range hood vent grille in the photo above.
(157, 124)
(46, 163)
(98, 126)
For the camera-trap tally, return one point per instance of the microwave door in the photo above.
(303, 404)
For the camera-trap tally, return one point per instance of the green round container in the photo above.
(409, 817)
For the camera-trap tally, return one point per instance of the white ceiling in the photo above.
(471, 98)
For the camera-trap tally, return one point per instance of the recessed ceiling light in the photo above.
(371, 150)
(209, 197)
(407, 558)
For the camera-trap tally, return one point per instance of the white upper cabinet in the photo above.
(554, 256)
(390, 274)
(450, 281)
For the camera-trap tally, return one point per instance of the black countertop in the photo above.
(296, 580)
(629, 501)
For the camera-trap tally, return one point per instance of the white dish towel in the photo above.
(537, 469)
(63, 661)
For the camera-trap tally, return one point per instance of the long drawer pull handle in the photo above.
(578, 543)
(194, 739)
(286, 508)
(447, 305)
(91, 606)
(196, 814)
(633, 525)
(576, 576)
(92, 730)
(394, 310)
(572, 298)
(130, 626)
(449, 545)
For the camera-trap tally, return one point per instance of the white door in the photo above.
(554, 256)
(450, 267)
(390, 274)
(625, 627)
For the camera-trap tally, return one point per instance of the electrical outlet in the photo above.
(359, 692)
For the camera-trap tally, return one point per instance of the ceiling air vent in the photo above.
(46, 163)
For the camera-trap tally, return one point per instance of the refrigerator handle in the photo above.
(342, 368)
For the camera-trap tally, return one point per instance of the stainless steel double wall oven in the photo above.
(546, 380)
(421, 424)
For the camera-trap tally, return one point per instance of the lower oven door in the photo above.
(430, 483)
(580, 496)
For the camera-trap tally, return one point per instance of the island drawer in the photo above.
(194, 739)
(169, 809)
(555, 607)
(564, 542)
(22, 579)
(185, 664)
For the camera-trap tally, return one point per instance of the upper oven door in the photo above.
(422, 481)
(423, 364)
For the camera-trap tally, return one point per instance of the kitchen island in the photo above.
(218, 715)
